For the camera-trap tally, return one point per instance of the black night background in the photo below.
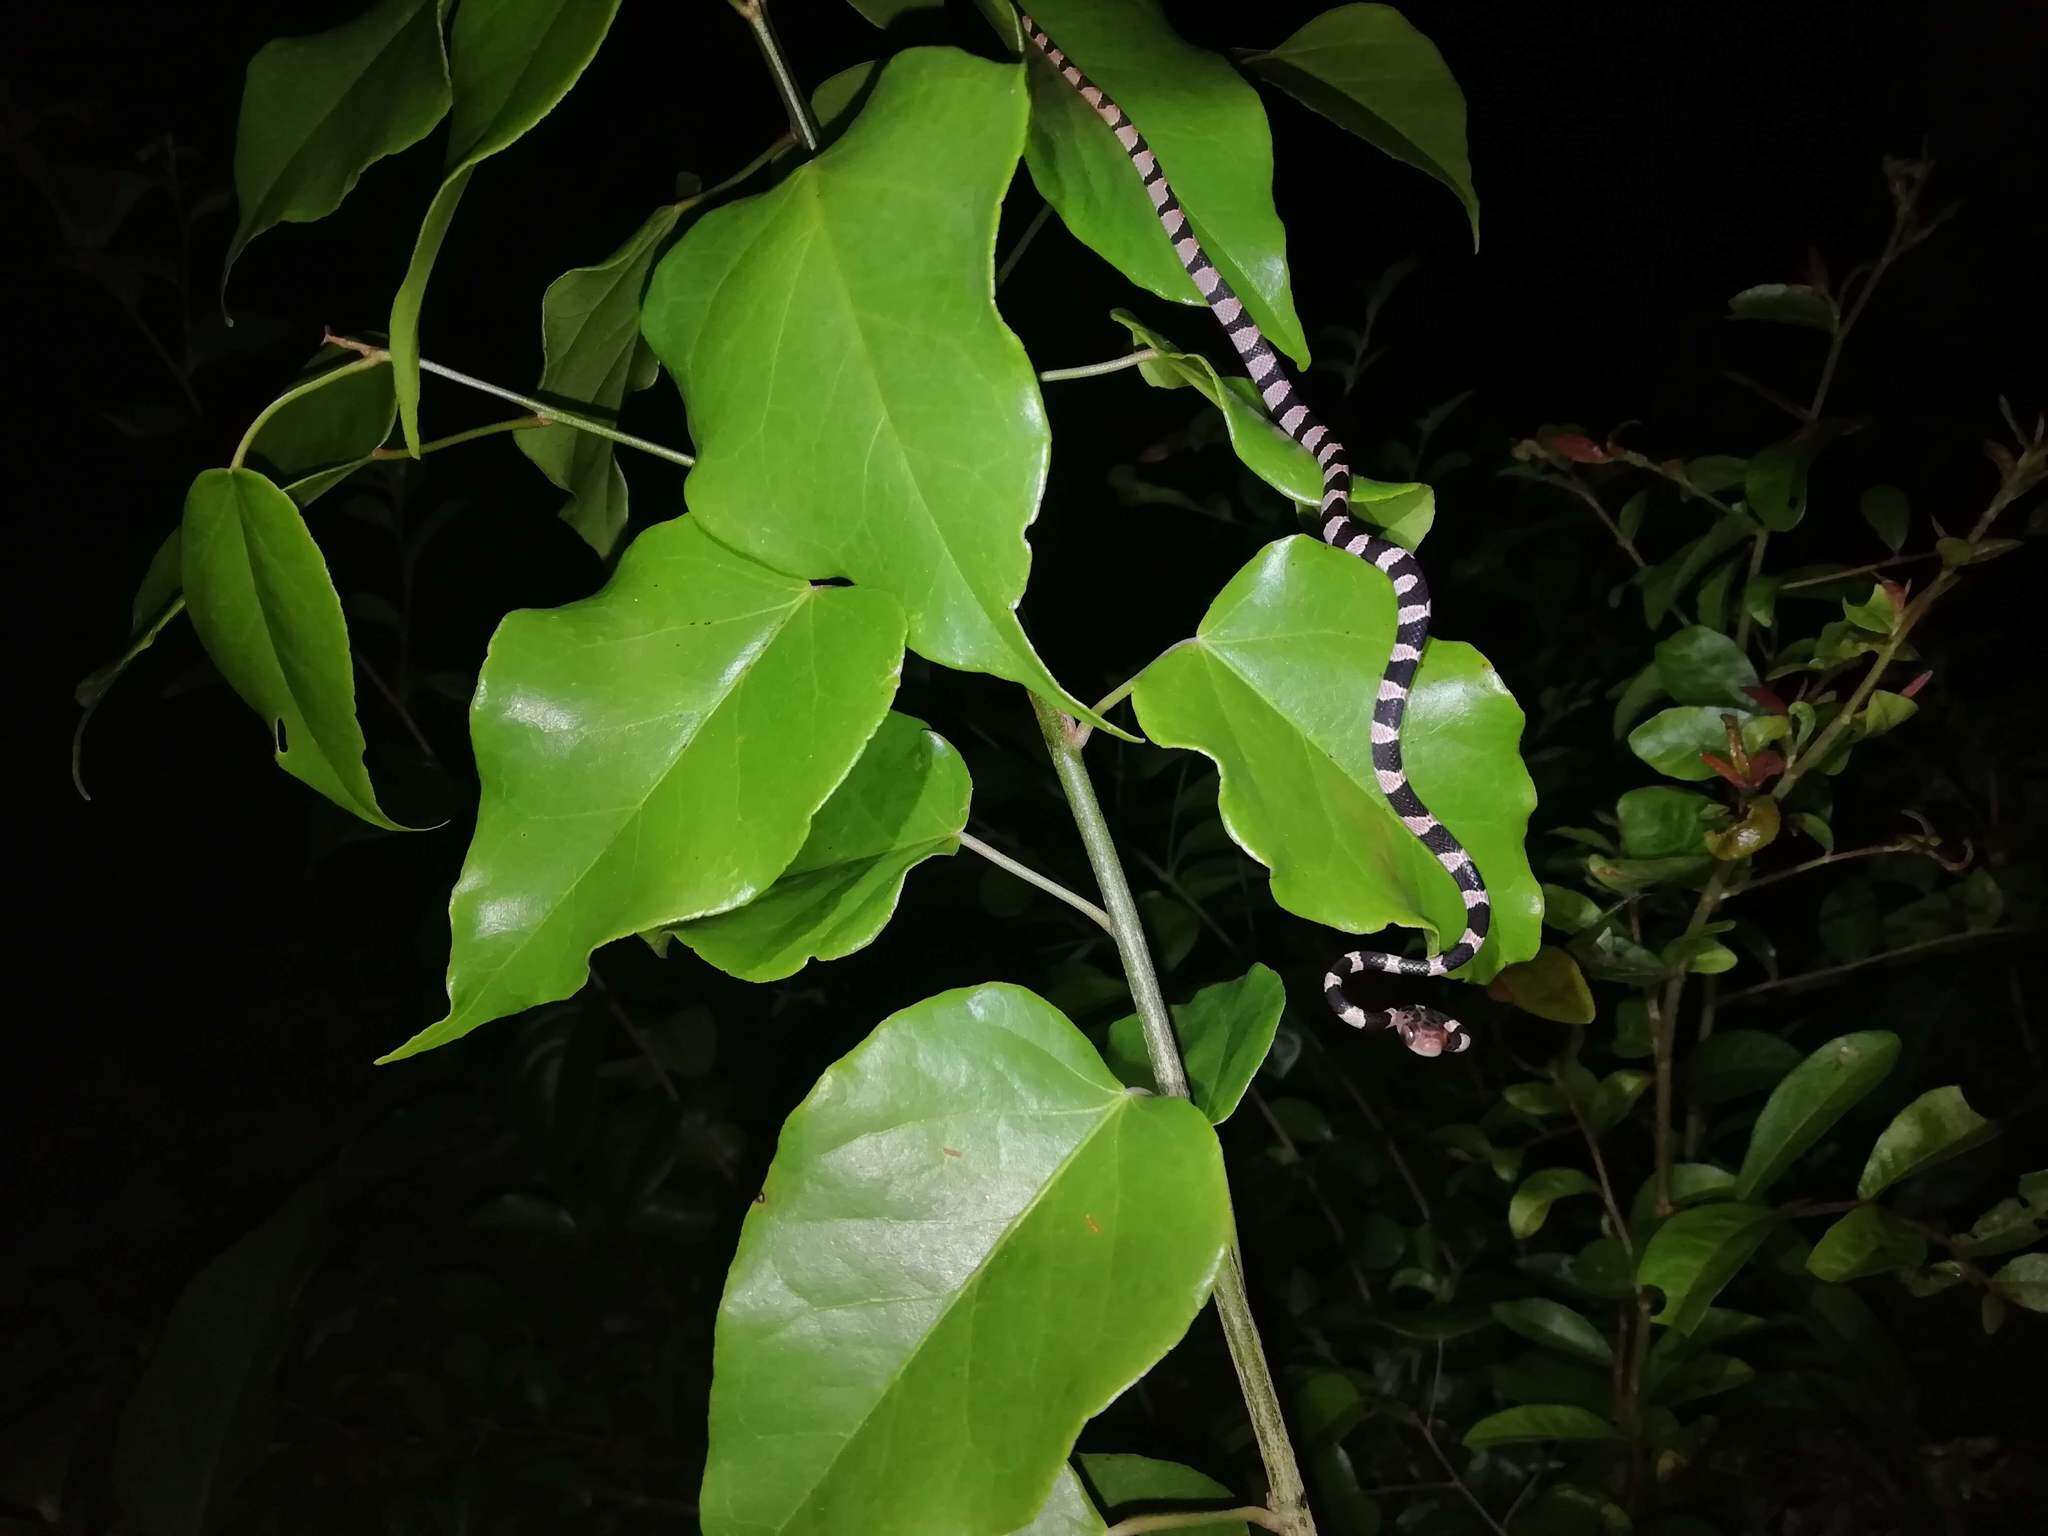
(505, 1321)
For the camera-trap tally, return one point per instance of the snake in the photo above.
(1425, 1031)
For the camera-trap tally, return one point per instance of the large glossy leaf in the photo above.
(904, 802)
(1206, 125)
(1403, 511)
(1691, 1257)
(1936, 1126)
(859, 407)
(971, 1239)
(652, 754)
(510, 62)
(1703, 666)
(595, 357)
(184, 1434)
(1672, 740)
(317, 111)
(1659, 822)
(1812, 1097)
(1225, 1032)
(1278, 688)
(1539, 1421)
(1366, 69)
(267, 612)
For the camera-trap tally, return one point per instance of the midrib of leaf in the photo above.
(1112, 1114)
(738, 678)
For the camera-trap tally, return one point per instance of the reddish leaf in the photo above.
(1896, 593)
(1768, 698)
(1915, 686)
(1579, 448)
(1723, 767)
(1764, 767)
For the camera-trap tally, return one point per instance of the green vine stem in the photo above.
(1096, 370)
(299, 391)
(1030, 876)
(1286, 1494)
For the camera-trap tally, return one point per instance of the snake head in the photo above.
(1427, 1032)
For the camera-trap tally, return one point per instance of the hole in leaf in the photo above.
(277, 729)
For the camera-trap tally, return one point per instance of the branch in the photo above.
(1095, 370)
(1030, 876)
(801, 123)
(1829, 973)
(1286, 1493)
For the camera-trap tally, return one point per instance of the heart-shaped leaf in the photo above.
(1225, 1032)
(267, 613)
(510, 62)
(1691, 1257)
(900, 438)
(1813, 1096)
(317, 111)
(972, 1235)
(595, 357)
(1936, 1126)
(1366, 69)
(1278, 688)
(1206, 125)
(652, 754)
(904, 802)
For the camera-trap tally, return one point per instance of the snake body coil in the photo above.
(1425, 1031)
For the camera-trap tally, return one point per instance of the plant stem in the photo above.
(1825, 859)
(640, 1042)
(1606, 1184)
(1285, 1492)
(801, 123)
(1695, 1112)
(1664, 1030)
(1584, 492)
(1829, 973)
(1181, 1520)
(1857, 570)
(1030, 876)
(1756, 564)
(1038, 222)
(550, 415)
(1429, 1439)
(412, 726)
(301, 389)
(1095, 370)
(454, 439)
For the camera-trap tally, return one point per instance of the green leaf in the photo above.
(2010, 1224)
(972, 1235)
(267, 613)
(184, 1433)
(1876, 613)
(652, 754)
(1554, 1326)
(1534, 1378)
(1614, 1098)
(1635, 696)
(1569, 911)
(1549, 986)
(905, 801)
(1703, 666)
(1366, 69)
(1933, 1128)
(1775, 484)
(1530, 1207)
(1225, 1032)
(1733, 1062)
(1535, 1098)
(590, 334)
(836, 93)
(1691, 1257)
(1706, 1375)
(1714, 473)
(1659, 822)
(865, 275)
(510, 61)
(1539, 1421)
(1207, 126)
(1889, 514)
(1664, 584)
(1277, 687)
(1672, 740)
(1867, 1241)
(1255, 438)
(317, 111)
(1786, 303)
(337, 425)
(1067, 1512)
(1130, 1485)
(1885, 712)
(1813, 1096)
(2024, 1282)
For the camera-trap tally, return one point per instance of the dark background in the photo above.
(209, 956)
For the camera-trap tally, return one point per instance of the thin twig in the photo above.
(1016, 253)
(1096, 370)
(1784, 403)
(1429, 1439)
(1584, 492)
(1600, 1172)
(639, 1040)
(1300, 1167)
(1857, 570)
(1664, 1030)
(454, 439)
(1830, 858)
(398, 708)
(1904, 952)
(1030, 876)
(801, 123)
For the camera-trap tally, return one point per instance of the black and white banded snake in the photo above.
(1425, 1031)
